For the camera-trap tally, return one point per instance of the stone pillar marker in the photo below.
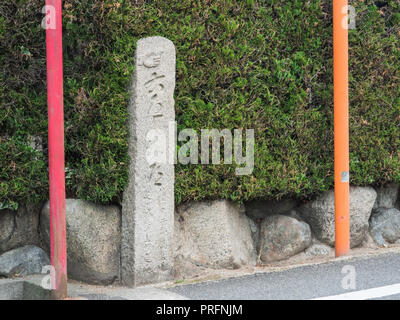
(148, 200)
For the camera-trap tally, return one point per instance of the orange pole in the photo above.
(341, 124)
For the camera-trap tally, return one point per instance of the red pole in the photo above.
(56, 147)
(341, 124)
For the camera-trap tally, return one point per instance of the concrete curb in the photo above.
(30, 288)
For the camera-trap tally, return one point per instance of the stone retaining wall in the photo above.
(208, 234)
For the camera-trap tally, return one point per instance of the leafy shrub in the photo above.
(265, 65)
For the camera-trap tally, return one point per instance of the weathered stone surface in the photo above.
(148, 201)
(185, 253)
(282, 237)
(93, 240)
(294, 214)
(319, 250)
(255, 227)
(19, 228)
(23, 261)
(260, 209)
(369, 242)
(385, 226)
(320, 215)
(387, 196)
(214, 234)
(11, 289)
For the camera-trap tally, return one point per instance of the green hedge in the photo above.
(256, 64)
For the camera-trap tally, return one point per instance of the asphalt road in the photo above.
(376, 277)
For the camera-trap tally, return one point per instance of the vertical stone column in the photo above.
(148, 201)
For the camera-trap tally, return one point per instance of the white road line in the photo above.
(365, 294)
